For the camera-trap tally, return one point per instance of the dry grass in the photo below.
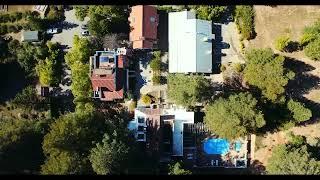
(270, 23)
(20, 8)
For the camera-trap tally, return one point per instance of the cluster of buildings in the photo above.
(169, 132)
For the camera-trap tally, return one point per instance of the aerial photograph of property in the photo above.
(160, 89)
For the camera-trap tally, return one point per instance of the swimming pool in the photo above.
(216, 146)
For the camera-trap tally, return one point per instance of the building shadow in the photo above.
(163, 35)
(216, 48)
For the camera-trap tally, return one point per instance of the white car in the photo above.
(53, 31)
(85, 33)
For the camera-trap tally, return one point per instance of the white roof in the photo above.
(189, 48)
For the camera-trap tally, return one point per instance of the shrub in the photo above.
(156, 79)
(299, 112)
(146, 99)
(132, 106)
(312, 50)
(287, 125)
(3, 29)
(155, 64)
(244, 18)
(281, 43)
(12, 28)
(81, 12)
(296, 139)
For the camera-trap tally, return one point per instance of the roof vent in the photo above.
(206, 39)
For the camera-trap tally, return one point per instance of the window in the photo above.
(152, 19)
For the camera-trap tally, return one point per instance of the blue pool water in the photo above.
(216, 146)
(238, 146)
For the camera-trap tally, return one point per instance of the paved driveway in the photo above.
(70, 27)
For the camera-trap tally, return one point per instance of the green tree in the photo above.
(102, 18)
(26, 99)
(244, 18)
(298, 111)
(63, 163)
(55, 13)
(312, 50)
(156, 79)
(155, 63)
(81, 84)
(81, 51)
(176, 169)
(72, 134)
(45, 72)
(210, 13)
(107, 157)
(265, 70)
(234, 117)
(81, 12)
(282, 42)
(288, 160)
(188, 90)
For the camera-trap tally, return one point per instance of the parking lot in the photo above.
(70, 27)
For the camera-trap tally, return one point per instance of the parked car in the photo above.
(84, 26)
(53, 31)
(85, 33)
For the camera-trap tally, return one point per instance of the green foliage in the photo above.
(282, 42)
(188, 90)
(296, 140)
(211, 13)
(156, 79)
(312, 50)
(81, 84)
(146, 99)
(244, 18)
(55, 13)
(26, 99)
(176, 169)
(81, 51)
(155, 63)
(234, 117)
(289, 160)
(265, 70)
(45, 72)
(299, 112)
(12, 131)
(81, 12)
(70, 135)
(310, 33)
(102, 18)
(63, 163)
(107, 157)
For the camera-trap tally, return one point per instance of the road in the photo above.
(71, 26)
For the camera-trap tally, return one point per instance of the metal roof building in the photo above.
(190, 43)
(30, 36)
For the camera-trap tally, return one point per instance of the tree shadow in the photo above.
(67, 25)
(302, 83)
(293, 46)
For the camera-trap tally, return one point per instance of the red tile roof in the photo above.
(107, 82)
(144, 30)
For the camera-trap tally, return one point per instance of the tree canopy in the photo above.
(312, 50)
(244, 18)
(288, 160)
(107, 157)
(81, 51)
(265, 71)
(188, 90)
(210, 13)
(298, 111)
(234, 117)
(81, 12)
(103, 17)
